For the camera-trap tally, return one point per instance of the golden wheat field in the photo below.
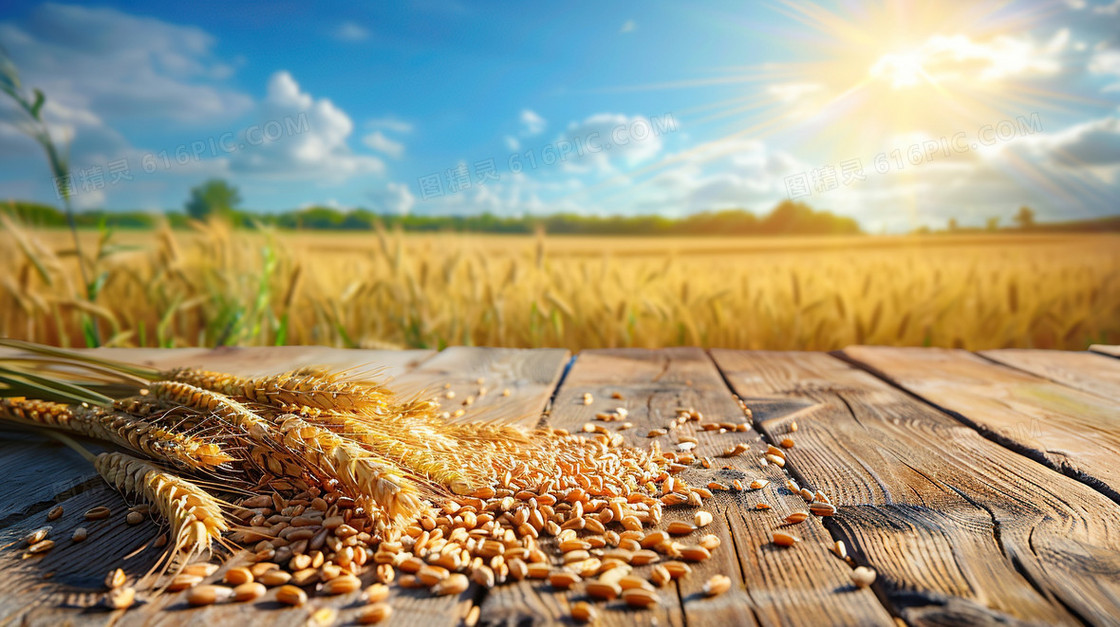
(213, 286)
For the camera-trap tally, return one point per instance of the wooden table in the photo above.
(982, 487)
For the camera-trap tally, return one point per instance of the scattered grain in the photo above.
(375, 613)
(717, 585)
(208, 594)
(98, 513)
(863, 576)
(785, 539)
(249, 591)
(291, 595)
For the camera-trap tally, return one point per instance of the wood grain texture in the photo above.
(36, 472)
(960, 529)
(800, 585)
(1089, 372)
(529, 375)
(1073, 431)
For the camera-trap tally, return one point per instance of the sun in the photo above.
(900, 69)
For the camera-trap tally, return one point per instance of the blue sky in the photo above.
(896, 113)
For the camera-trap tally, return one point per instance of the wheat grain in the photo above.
(98, 513)
(375, 613)
(862, 576)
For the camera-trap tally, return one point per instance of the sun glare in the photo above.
(900, 69)
(868, 76)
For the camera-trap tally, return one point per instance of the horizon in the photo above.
(898, 117)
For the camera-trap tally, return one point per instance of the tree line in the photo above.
(217, 199)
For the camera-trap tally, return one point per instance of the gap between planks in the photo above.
(915, 487)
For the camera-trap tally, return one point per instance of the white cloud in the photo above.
(390, 123)
(734, 174)
(379, 142)
(1108, 9)
(610, 138)
(1069, 174)
(351, 32)
(1091, 144)
(393, 198)
(122, 66)
(92, 199)
(319, 153)
(959, 57)
(1106, 62)
(628, 26)
(532, 124)
(512, 143)
(99, 68)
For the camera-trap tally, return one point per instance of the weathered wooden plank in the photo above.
(960, 529)
(802, 585)
(1089, 372)
(1067, 429)
(65, 583)
(35, 471)
(475, 381)
(1105, 349)
(266, 360)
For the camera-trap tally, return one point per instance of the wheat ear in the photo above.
(416, 445)
(120, 428)
(315, 448)
(307, 387)
(195, 517)
(357, 469)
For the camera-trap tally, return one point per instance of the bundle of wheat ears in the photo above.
(329, 482)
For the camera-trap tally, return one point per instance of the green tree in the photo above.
(953, 226)
(992, 224)
(1025, 218)
(215, 198)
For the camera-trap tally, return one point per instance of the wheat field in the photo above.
(213, 286)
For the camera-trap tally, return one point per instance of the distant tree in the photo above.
(1025, 218)
(953, 226)
(992, 224)
(213, 198)
(321, 218)
(796, 218)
